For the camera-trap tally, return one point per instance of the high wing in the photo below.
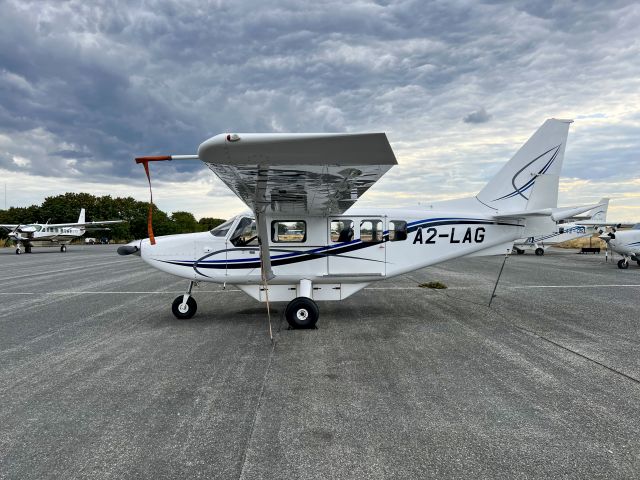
(85, 224)
(9, 227)
(313, 174)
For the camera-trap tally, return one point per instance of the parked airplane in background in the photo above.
(626, 243)
(303, 242)
(44, 234)
(562, 232)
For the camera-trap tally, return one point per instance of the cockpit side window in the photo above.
(245, 234)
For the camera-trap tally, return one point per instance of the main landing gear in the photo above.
(302, 312)
(185, 306)
(539, 251)
(63, 248)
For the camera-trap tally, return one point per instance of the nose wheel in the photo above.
(623, 264)
(539, 251)
(185, 306)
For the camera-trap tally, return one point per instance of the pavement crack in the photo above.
(581, 355)
(257, 409)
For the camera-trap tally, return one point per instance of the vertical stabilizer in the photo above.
(600, 214)
(541, 156)
(81, 217)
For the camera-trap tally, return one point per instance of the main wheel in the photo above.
(623, 264)
(638, 262)
(27, 249)
(539, 251)
(18, 251)
(184, 311)
(302, 312)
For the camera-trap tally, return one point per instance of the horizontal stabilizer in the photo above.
(556, 214)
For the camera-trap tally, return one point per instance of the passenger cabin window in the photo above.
(371, 230)
(397, 230)
(342, 230)
(290, 231)
(245, 233)
(222, 229)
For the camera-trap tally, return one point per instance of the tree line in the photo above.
(66, 208)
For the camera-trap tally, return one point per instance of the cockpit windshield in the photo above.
(222, 229)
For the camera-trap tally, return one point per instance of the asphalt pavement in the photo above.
(99, 380)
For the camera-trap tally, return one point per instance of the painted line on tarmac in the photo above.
(631, 285)
(56, 271)
(77, 292)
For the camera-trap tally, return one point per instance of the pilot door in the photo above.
(356, 246)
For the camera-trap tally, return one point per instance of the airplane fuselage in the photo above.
(345, 251)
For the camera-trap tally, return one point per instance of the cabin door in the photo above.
(356, 246)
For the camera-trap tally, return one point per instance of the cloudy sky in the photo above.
(457, 86)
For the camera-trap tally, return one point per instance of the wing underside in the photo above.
(314, 174)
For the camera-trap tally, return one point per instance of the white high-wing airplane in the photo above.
(43, 234)
(303, 242)
(626, 243)
(562, 232)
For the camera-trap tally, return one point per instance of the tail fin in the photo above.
(539, 160)
(81, 217)
(600, 214)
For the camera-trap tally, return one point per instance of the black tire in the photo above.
(302, 312)
(63, 248)
(638, 262)
(192, 307)
(539, 251)
(18, 251)
(27, 249)
(622, 264)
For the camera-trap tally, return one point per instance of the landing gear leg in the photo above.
(623, 263)
(303, 312)
(185, 306)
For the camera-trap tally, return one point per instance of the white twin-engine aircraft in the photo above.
(303, 241)
(44, 234)
(626, 243)
(562, 232)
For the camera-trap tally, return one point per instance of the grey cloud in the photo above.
(111, 80)
(479, 116)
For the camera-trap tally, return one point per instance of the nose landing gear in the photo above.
(185, 306)
(623, 264)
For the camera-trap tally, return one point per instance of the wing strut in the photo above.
(263, 237)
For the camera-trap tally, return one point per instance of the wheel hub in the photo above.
(302, 314)
(183, 308)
